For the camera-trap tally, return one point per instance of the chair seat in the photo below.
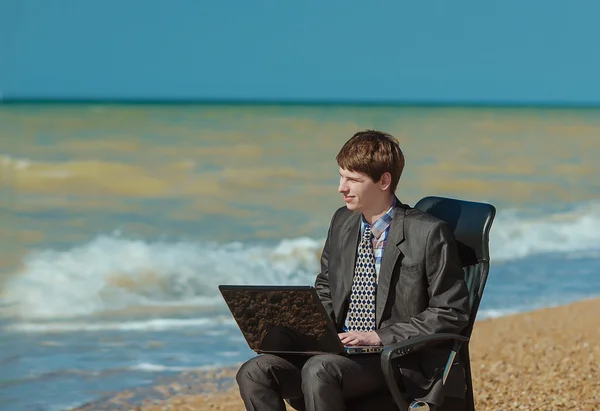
(453, 404)
(383, 401)
(379, 401)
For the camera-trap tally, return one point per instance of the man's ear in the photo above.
(385, 181)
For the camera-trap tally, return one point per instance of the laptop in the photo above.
(286, 320)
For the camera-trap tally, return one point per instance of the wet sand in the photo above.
(542, 360)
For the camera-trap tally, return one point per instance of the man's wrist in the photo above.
(376, 337)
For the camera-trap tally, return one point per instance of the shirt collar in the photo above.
(382, 223)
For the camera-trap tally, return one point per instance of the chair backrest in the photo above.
(471, 223)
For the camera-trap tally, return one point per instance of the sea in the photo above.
(119, 221)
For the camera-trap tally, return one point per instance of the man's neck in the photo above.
(378, 211)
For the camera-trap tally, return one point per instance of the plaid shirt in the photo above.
(380, 230)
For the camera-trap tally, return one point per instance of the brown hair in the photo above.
(373, 152)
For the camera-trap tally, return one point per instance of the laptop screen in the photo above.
(282, 318)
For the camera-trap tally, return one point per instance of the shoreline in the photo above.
(544, 359)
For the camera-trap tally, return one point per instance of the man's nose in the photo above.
(342, 187)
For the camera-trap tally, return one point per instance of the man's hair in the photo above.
(373, 152)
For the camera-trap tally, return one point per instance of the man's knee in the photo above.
(321, 369)
(254, 370)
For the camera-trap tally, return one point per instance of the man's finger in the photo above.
(348, 339)
(346, 335)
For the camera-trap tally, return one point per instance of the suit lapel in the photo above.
(350, 235)
(391, 252)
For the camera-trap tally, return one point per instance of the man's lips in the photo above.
(348, 198)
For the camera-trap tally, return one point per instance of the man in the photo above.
(388, 273)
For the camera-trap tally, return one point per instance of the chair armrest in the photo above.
(411, 345)
(406, 347)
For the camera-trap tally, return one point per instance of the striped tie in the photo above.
(361, 312)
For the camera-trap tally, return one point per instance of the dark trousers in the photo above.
(325, 381)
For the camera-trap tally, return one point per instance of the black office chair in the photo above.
(471, 223)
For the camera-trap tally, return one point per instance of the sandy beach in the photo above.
(541, 360)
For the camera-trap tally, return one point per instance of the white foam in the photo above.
(63, 407)
(496, 313)
(150, 367)
(113, 273)
(160, 324)
(228, 353)
(515, 235)
(18, 163)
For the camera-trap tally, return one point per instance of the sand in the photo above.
(542, 360)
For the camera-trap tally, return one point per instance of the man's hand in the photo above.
(358, 338)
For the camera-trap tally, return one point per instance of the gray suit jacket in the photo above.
(421, 288)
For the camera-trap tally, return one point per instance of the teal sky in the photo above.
(512, 51)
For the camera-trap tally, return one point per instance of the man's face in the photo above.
(360, 192)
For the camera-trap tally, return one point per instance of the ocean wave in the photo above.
(16, 163)
(515, 235)
(151, 367)
(112, 273)
(158, 324)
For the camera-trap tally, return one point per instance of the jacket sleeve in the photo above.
(448, 310)
(322, 280)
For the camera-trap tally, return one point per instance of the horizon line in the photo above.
(304, 102)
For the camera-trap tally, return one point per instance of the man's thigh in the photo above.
(359, 374)
(279, 372)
